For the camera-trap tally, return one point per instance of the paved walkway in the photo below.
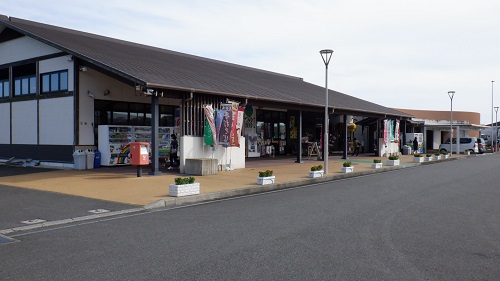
(121, 184)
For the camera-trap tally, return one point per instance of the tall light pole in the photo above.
(492, 137)
(496, 126)
(326, 55)
(451, 94)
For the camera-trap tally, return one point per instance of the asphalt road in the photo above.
(431, 222)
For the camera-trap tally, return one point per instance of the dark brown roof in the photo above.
(160, 68)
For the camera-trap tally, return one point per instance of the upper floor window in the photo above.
(4, 88)
(25, 85)
(24, 79)
(54, 82)
(4, 83)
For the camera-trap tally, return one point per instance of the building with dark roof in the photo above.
(59, 85)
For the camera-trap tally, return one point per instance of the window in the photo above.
(25, 86)
(4, 88)
(54, 82)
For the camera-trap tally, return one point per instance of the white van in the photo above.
(466, 144)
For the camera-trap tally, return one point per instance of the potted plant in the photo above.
(265, 177)
(418, 158)
(347, 167)
(377, 164)
(428, 157)
(445, 154)
(316, 171)
(393, 160)
(437, 155)
(183, 187)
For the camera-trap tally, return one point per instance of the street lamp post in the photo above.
(451, 94)
(496, 127)
(326, 55)
(492, 137)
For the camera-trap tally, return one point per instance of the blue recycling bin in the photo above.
(97, 159)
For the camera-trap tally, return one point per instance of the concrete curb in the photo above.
(255, 189)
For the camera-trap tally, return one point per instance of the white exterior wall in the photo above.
(56, 121)
(4, 123)
(192, 147)
(23, 48)
(24, 122)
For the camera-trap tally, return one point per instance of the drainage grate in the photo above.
(98, 211)
(5, 240)
(33, 221)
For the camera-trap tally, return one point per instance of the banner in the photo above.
(386, 130)
(234, 140)
(209, 134)
(396, 131)
(218, 123)
(226, 124)
(239, 123)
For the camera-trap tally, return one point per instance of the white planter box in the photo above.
(437, 157)
(347, 169)
(445, 156)
(418, 159)
(184, 189)
(393, 162)
(265, 180)
(428, 158)
(316, 174)
(377, 165)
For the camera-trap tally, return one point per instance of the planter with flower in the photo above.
(265, 177)
(393, 160)
(316, 171)
(418, 158)
(437, 156)
(184, 187)
(347, 167)
(428, 157)
(445, 154)
(377, 164)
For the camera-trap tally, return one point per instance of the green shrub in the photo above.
(437, 154)
(377, 161)
(181, 181)
(393, 157)
(347, 164)
(445, 152)
(266, 173)
(428, 155)
(316, 168)
(418, 155)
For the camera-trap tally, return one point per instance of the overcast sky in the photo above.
(396, 53)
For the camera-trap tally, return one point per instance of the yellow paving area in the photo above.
(123, 185)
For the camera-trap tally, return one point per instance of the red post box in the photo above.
(139, 153)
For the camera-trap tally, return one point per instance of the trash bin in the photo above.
(97, 159)
(90, 158)
(79, 159)
(406, 150)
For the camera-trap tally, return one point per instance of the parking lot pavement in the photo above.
(18, 205)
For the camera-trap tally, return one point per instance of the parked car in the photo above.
(466, 144)
(481, 145)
